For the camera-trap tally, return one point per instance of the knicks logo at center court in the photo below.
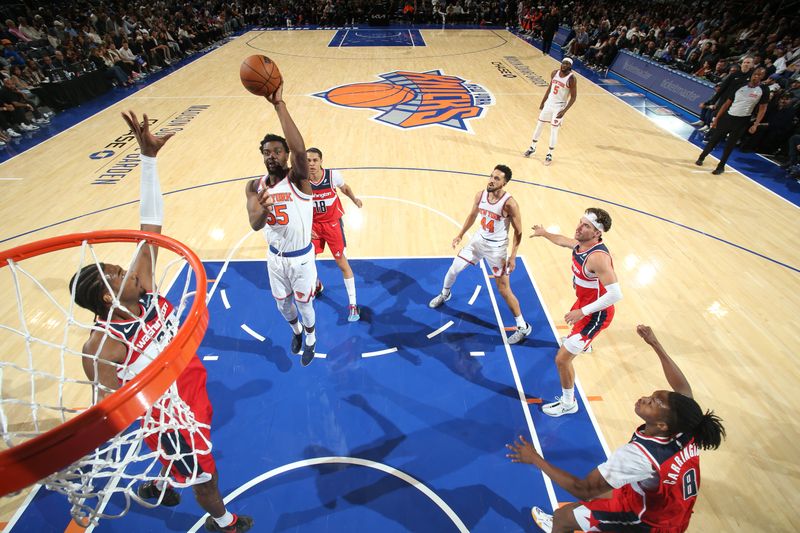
(413, 99)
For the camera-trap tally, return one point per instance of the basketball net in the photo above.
(44, 367)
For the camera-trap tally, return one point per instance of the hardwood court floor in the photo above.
(706, 260)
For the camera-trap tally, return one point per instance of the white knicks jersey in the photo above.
(494, 224)
(559, 90)
(288, 227)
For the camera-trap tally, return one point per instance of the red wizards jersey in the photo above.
(147, 336)
(668, 505)
(327, 207)
(587, 287)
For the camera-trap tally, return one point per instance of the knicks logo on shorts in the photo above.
(407, 99)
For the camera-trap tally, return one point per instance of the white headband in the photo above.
(591, 218)
(567, 59)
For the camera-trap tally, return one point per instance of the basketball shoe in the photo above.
(439, 299)
(240, 524)
(530, 151)
(548, 159)
(556, 408)
(542, 519)
(297, 342)
(308, 354)
(520, 335)
(353, 313)
(149, 491)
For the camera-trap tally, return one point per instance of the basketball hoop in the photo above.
(81, 449)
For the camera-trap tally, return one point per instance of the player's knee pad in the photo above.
(307, 315)
(287, 308)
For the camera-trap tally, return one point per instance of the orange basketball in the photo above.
(370, 95)
(260, 75)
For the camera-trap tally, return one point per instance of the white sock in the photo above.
(554, 136)
(568, 396)
(350, 285)
(224, 520)
(520, 321)
(161, 484)
(296, 327)
(311, 337)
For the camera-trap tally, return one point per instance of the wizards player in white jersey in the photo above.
(497, 210)
(328, 227)
(281, 204)
(597, 290)
(134, 330)
(560, 96)
(655, 477)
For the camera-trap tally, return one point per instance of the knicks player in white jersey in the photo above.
(281, 204)
(497, 210)
(560, 96)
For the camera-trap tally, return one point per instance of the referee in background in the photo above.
(733, 117)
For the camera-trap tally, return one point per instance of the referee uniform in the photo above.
(733, 118)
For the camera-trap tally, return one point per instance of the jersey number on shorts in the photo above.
(277, 215)
(487, 225)
(320, 207)
(689, 484)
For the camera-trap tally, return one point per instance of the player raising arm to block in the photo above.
(133, 325)
(655, 477)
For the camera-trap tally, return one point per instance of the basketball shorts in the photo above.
(330, 233)
(186, 454)
(586, 329)
(550, 113)
(479, 248)
(292, 275)
(613, 514)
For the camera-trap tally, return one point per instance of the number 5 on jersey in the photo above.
(277, 215)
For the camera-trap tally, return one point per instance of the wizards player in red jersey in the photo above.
(134, 338)
(655, 477)
(597, 290)
(327, 227)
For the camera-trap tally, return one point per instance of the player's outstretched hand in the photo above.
(538, 230)
(276, 97)
(646, 333)
(358, 203)
(522, 451)
(455, 242)
(149, 144)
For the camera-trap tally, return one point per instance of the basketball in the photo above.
(370, 95)
(260, 75)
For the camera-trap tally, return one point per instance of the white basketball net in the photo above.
(41, 370)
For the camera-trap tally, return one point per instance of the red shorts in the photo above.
(331, 233)
(192, 389)
(615, 514)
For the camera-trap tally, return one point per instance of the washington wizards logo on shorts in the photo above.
(407, 99)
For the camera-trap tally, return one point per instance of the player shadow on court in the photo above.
(336, 482)
(278, 355)
(224, 399)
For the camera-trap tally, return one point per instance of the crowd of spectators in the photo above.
(708, 40)
(51, 43)
(353, 12)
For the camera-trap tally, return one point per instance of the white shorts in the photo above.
(549, 113)
(479, 248)
(292, 275)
